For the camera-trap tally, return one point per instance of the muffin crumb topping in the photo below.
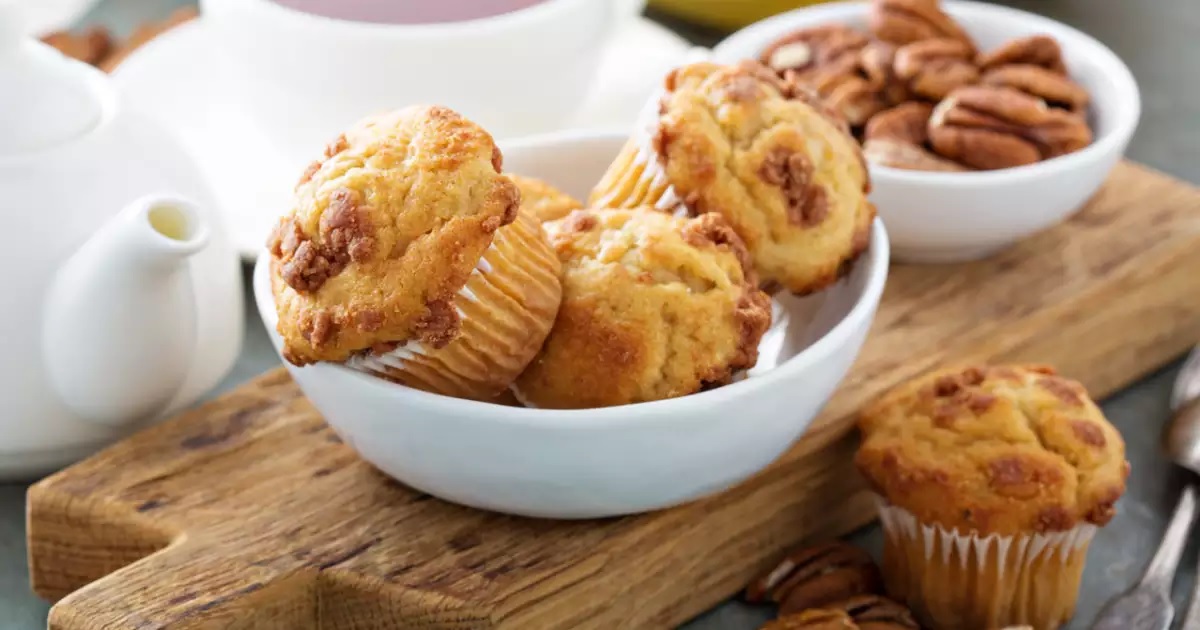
(1003, 450)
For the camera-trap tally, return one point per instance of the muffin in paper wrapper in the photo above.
(507, 308)
(952, 580)
(636, 177)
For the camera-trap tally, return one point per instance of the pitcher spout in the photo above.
(120, 326)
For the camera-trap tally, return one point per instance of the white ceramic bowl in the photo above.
(601, 462)
(942, 217)
(513, 73)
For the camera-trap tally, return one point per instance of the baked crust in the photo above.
(384, 231)
(542, 200)
(782, 169)
(654, 306)
(995, 450)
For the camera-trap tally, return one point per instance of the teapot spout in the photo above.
(120, 326)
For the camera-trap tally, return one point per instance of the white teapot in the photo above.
(122, 296)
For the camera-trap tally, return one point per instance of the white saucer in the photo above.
(171, 79)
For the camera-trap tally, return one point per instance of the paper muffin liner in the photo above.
(952, 580)
(507, 308)
(636, 178)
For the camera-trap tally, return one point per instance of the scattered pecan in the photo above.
(792, 171)
(1057, 90)
(905, 21)
(813, 577)
(873, 612)
(933, 68)
(810, 49)
(1036, 50)
(990, 127)
(817, 619)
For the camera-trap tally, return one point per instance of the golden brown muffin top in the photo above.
(1004, 450)
(384, 231)
(654, 307)
(544, 201)
(779, 166)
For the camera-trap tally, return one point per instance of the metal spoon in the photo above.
(1147, 606)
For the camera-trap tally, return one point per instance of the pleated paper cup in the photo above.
(637, 179)
(507, 308)
(952, 580)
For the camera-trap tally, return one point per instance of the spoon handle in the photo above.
(1192, 618)
(1161, 570)
(1147, 606)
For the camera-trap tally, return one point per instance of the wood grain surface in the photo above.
(250, 513)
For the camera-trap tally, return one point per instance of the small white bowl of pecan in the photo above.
(982, 124)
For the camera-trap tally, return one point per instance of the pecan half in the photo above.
(849, 94)
(1054, 88)
(933, 68)
(816, 619)
(910, 157)
(907, 122)
(896, 137)
(905, 21)
(1035, 50)
(815, 576)
(990, 127)
(810, 49)
(876, 62)
(873, 612)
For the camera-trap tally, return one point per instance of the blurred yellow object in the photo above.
(727, 14)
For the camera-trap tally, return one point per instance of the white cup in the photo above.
(303, 77)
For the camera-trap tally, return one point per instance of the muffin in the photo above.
(780, 167)
(543, 201)
(654, 306)
(993, 482)
(404, 255)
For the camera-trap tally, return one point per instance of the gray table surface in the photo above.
(1158, 40)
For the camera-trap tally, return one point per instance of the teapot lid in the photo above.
(47, 98)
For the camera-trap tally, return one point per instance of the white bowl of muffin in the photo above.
(983, 124)
(474, 328)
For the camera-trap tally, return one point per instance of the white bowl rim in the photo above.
(1116, 69)
(877, 256)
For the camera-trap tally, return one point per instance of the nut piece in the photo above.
(910, 157)
(935, 67)
(1054, 88)
(825, 60)
(907, 122)
(1035, 50)
(876, 62)
(810, 49)
(816, 619)
(849, 94)
(997, 127)
(905, 21)
(813, 577)
(897, 137)
(873, 612)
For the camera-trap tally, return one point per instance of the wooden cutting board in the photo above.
(250, 513)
